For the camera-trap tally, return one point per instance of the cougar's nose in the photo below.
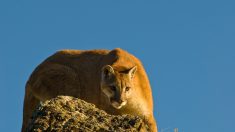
(117, 100)
(120, 101)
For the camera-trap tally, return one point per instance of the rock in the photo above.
(65, 113)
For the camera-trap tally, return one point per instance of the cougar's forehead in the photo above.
(121, 76)
(119, 79)
(123, 79)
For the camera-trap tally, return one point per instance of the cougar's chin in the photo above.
(118, 105)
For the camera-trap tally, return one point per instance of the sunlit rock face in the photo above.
(65, 113)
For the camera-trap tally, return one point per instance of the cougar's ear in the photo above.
(132, 72)
(107, 71)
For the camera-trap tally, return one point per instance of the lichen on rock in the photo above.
(65, 113)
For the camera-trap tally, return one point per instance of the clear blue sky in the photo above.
(187, 48)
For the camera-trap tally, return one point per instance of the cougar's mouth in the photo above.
(117, 105)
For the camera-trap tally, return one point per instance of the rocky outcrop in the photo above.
(67, 114)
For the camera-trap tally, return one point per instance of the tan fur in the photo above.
(114, 81)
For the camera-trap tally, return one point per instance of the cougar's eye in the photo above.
(113, 88)
(127, 89)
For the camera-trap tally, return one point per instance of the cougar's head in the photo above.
(117, 86)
